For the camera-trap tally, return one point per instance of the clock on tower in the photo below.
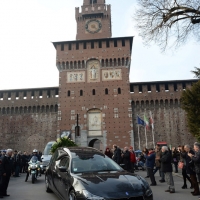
(94, 20)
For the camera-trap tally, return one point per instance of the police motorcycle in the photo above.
(33, 169)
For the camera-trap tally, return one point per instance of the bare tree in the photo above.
(160, 20)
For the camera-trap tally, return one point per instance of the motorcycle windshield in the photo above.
(34, 159)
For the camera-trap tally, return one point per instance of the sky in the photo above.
(28, 58)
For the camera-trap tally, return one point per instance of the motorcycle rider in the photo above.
(35, 153)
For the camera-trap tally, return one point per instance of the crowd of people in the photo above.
(165, 161)
(13, 163)
(162, 159)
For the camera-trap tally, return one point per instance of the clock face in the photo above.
(93, 26)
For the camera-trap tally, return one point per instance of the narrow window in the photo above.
(157, 88)
(107, 44)
(93, 1)
(69, 46)
(106, 91)
(115, 43)
(100, 44)
(84, 45)
(119, 90)
(62, 47)
(81, 92)
(123, 43)
(92, 45)
(93, 92)
(68, 93)
(77, 46)
(175, 87)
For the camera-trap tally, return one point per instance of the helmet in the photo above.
(34, 150)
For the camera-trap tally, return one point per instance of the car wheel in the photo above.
(72, 195)
(48, 190)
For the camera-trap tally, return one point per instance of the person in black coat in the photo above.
(6, 171)
(190, 168)
(126, 158)
(117, 154)
(166, 167)
(196, 159)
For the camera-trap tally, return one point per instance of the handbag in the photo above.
(180, 165)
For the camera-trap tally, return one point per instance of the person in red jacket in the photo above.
(132, 159)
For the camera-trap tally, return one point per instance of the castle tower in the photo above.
(94, 88)
(94, 20)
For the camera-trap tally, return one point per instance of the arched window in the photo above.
(106, 91)
(81, 92)
(68, 93)
(93, 92)
(119, 90)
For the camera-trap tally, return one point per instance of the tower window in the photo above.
(62, 47)
(70, 46)
(92, 45)
(115, 43)
(68, 93)
(77, 46)
(81, 92)
(84, 45)
(100, 44)
(107, 43)
(93, 92)
(106, 91)
(123, 43)
(93, 1)
(119, 90)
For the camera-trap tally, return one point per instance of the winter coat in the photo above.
(196, 160)
(166, 158)
(126, 160)
(117, 155)
(150, 160)
(175, 157)
(132, 157)
(7, 166)
(190, 169)
(108, 153)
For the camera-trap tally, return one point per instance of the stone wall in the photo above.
(28, 118)
(163, 100)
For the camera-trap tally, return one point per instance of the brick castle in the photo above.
(94, 100)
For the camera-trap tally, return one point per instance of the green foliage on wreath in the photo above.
(63, 142)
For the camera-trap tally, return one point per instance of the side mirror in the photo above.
(62, 169)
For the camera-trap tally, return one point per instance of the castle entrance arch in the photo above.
(96, 143)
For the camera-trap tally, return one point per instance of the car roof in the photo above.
(74, 151)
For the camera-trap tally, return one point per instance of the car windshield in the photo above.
(48, 148)
(34, 159)
(93, 163)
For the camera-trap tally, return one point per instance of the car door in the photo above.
(52, 171)
(63, 177)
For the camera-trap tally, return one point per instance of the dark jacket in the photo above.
(117, 155)
(196, 160)
(7, 166)
(166, 158)
(150, 160)
(190, 169)
(175, 157)
(126, 159)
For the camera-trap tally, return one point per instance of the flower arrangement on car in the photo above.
(63, 142)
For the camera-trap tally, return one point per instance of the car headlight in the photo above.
(88, 195)
(148, 192)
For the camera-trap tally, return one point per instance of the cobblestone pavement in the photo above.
(20, 190)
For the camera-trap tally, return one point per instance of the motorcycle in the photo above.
(33, 169)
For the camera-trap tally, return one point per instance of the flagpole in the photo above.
(145, 135)
(139, 136)
(153, 138)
